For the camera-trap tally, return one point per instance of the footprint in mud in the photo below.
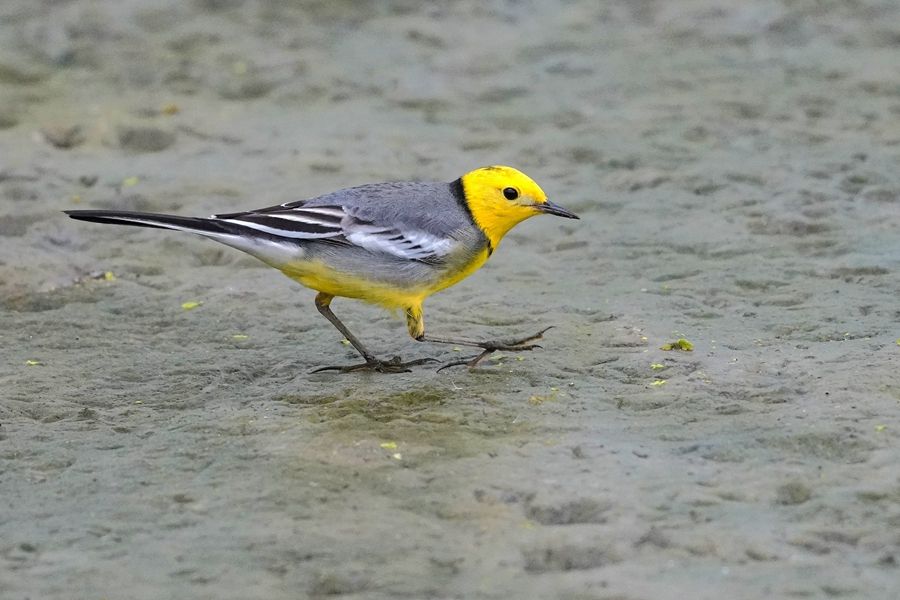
(567, 557)
(585, 510)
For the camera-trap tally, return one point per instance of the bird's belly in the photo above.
(405, 288)
(319, 276)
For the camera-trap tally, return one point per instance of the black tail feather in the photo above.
(157, 221)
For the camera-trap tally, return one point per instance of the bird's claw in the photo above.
(491, 346)
(515, 345)
(394, 365)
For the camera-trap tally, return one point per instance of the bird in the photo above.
(390, 244)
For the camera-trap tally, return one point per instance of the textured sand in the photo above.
(737, 168)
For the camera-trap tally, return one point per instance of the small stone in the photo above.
(63, 137)
(249, 88)
(654, 537)
(21, 75)
(792, 493)
(145, 139)
(8, 121)
(880, 194)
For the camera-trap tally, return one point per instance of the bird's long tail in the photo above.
(207, 227)
(270, 249)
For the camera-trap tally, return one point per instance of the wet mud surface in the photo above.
(736, 170)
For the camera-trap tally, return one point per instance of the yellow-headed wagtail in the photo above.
(392, 244)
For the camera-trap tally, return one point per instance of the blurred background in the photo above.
(736, 169)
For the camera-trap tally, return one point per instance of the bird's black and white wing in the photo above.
(321, 222)
(338, 224)
(410, 244)
(407, 221)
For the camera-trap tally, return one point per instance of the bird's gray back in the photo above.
(427, 206)
(432, 207)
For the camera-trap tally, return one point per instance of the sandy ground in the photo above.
(738, 174)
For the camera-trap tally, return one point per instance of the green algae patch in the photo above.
(679, 344)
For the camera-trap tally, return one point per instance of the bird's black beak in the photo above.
(552, 208)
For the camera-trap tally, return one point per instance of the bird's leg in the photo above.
(416, 325)
(323, 302)
(395, 365)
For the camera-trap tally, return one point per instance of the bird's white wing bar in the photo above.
(295, 223)
(286, 228)
(335, 212)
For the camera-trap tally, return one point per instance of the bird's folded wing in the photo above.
(336, 224)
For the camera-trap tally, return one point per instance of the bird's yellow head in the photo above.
(501, 197)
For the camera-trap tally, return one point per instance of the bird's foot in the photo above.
(394, 365)
(491, 346)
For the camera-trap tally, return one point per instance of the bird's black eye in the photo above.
(511, 193)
